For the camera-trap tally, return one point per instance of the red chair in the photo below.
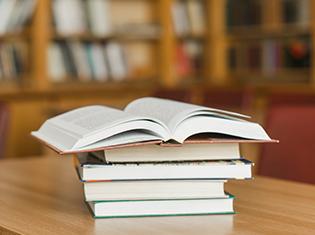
(4, 123)
(294, 125)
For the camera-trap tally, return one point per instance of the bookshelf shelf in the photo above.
(260, 35)
(93, 38)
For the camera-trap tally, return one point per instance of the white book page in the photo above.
(85, 126)
(171, 112)
(208, 124)
(86, 120)
(127, 138)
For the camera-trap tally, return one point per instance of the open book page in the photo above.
(84, 121)
(128, 137)
(88, 125)
(211, 124)
(174, 112)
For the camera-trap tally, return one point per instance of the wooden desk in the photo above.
(44, 196)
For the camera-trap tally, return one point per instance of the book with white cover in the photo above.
(180, 18)
(196, 16)
(21, 14)
(145, 119)
(156, 189)
(99, 63)
(116, 61)
(6, 10)
(93, 169)
(185, 152)
(69, 16)
(80, 60)
(56, 68)
(144, 208)
(99, 17)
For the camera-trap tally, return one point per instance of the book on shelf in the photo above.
(196, 15)
(97, 62)
(99, 17)
(116, 61)
(156, 190)
(104, 18)
(14, 14)
(188, 17)
(143, 120)
(296, 12)
(271, 57)
(13, 57)
(69, 21)
(94, 169)
(147, 208)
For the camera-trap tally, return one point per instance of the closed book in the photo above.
(99, 17)
(81, 60)
(68, 59)
(69, 17)
(56, 67)
(180, 18)
(91, 168)
(169, 152)
(153, 189)
(116, 61)
(196, 16)
(100, 71)
(23, 11)
(6, 10)
(147, 208)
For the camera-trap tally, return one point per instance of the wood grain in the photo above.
(44, 196)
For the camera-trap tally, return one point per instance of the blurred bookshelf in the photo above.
(61, 54)
(166, 42)
(101, 42)
(270, 42)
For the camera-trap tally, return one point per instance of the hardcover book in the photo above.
(146, 119)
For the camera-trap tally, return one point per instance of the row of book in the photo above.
(103, 18)
(189, 17)
(13, 57)
(250, 12)
(14, 14)
(156, 157)
(86, 61)
(270, 55)
(106, 17)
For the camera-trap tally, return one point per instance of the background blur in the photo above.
(251, 56)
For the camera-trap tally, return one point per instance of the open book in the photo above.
(143, 120)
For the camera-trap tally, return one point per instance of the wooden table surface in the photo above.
(44, 196)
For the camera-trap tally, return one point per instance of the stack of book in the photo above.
(157, 157)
